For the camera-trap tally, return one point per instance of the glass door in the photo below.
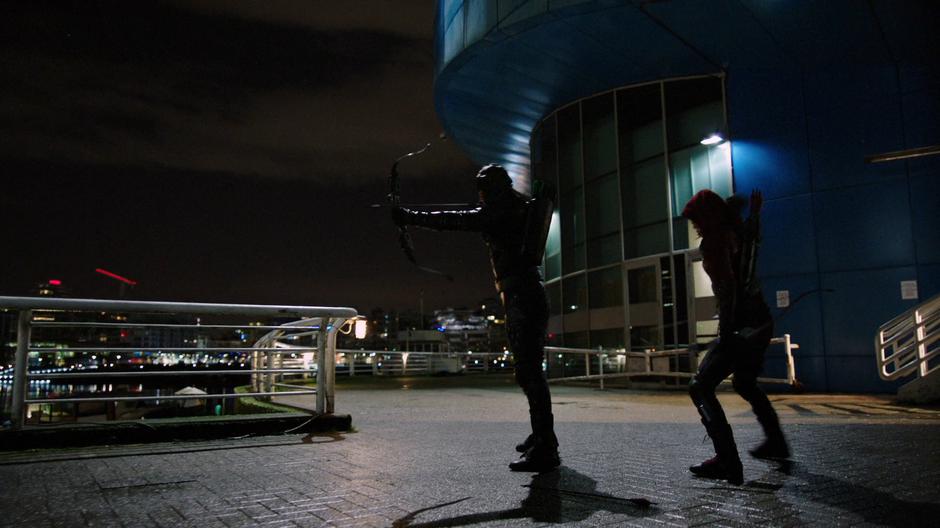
(702, 302)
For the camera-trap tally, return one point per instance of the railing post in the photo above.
(321, 367)
(326, 364)
(253, 364)
(920, 337)
(269, 376)
(20, 381)
(587, 364)
(791, 368)
(600, 368)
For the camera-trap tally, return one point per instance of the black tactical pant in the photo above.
(744, 359)
(526, 324)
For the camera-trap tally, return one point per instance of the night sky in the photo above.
(222, 151)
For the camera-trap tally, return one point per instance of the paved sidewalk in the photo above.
(429, 458)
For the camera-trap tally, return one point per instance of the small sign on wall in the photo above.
(783, 298)
(909, 290)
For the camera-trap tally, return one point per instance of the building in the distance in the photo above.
(630, 107)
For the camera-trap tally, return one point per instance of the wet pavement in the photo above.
(424, 457)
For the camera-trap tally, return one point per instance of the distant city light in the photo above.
(712, 139)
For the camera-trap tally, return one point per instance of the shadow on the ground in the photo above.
(324, 437)
(563, 495)
(873, 505)
(775, 492)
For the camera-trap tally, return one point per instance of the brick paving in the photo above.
(431, 458)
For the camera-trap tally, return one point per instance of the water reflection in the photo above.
(52, 412)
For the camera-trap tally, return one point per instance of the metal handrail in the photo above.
(648, 355)
(907, 343)
(322, 321)
(601, 354)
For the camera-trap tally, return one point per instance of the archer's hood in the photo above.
(709, 212)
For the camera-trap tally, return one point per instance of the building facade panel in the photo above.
(864, 226)
(789, 248)
(769, 140)
(925, 209)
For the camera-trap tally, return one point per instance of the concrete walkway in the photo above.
(437, 457)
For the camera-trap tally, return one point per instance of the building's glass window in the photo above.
(569, 148)
(695, 110)
(643, 287)
(572, 231)
(692, 170)
(452, 12)
(576, 340)
(553, 291)
(612, 338)
(603, 221)
(645, 210)
(481, 18)
(605, 288)
(601, 181)
(625, 164)
(640, 123)
(574, 294)
(572, 190)
(545, 167)
(681, 304)
(642, 171)
(600, 139)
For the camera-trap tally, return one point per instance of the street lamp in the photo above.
(360, 326)
(712, 139)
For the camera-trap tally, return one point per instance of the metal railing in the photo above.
(354, 362)
(908, 344)
(606, 364)
(318, 323)
(658, 363)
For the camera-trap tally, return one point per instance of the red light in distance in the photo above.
(115, 276)
(55, 282)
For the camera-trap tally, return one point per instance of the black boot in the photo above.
(726, 464)
(775, 446)
(539, 458)
(710, 468)
(524, 446)
(772, 449)
(715, 468)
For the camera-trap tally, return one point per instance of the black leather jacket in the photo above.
(502, 221)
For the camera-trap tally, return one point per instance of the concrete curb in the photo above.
(137, 432)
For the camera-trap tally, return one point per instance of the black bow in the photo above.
(394, 200)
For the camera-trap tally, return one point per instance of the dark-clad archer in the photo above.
(745, 327)
(514, 228)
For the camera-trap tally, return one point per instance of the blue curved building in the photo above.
(630, 107)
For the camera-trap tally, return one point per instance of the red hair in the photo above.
(710, 213)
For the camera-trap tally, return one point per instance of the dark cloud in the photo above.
(223, 151)
(209, 89)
